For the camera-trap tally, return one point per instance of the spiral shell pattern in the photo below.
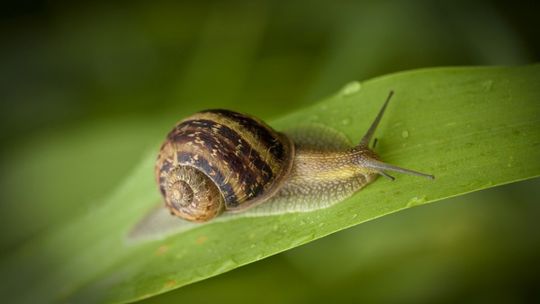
(243, 157)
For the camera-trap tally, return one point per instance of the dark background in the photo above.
(63, 62)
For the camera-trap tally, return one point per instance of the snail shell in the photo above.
(220, 160)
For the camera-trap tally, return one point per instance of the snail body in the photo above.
(220, 160)
(325, 176)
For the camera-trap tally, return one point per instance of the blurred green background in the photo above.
(85, 87)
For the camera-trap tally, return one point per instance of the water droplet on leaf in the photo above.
(417, 200)
(405, 134)
(351, 88)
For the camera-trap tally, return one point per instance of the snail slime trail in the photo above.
(220, 161)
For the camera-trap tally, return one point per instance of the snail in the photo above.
(219, 161)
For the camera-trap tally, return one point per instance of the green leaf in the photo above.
(473, 128)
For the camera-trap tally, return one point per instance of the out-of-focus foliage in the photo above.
(85, 86)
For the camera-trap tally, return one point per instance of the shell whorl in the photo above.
(242, 157)
(191, 195)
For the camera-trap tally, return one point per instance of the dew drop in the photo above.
(415, 201)
(351, 88)
(405, 134)
(226, 265)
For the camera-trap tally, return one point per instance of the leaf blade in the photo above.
(473, 128)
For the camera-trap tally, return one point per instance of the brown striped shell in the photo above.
(220, 160)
